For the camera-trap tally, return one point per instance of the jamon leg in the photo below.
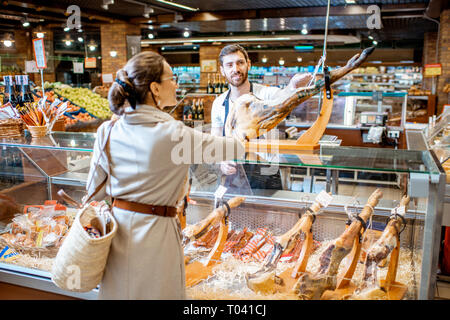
(312, 286)
(379, 251)
(251, 117)
(264, 279)
(197, 230)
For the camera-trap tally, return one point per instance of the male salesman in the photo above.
(234, 66)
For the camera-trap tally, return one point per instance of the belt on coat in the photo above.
(163, 211)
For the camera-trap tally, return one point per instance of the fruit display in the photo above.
(85, 98)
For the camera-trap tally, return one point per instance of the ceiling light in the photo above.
(148, 11)
(304, 30)
(370, 37)
(40, 34)
(186, 34)
(150, 27)
(68, 43)
(104, 6)
(7, 43)
(80, 39)
(151, 35)
(350, 1)
(195, 48)
(80, 30)
(92, 47)
(178, 5)
(26, 24)
(281, 61)
(113, 53)
(66, 29)
(264, 59)
(375, 42)
(299, 59)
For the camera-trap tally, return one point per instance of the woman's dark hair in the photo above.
(134, 81)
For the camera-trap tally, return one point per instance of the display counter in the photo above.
(33, 170)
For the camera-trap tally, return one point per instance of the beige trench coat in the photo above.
(146, 258)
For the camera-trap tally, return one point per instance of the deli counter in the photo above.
(32, 170)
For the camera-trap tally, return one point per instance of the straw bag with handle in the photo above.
(81, 260)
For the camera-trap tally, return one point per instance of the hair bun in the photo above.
(121, 90)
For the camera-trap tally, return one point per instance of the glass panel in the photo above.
(353, 158)
(77, 141)
(341, 157)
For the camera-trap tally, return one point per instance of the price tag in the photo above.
(90, 63)
(324, 199)
(39, 53)
(30, 67)
(220, 192)
(78, 67)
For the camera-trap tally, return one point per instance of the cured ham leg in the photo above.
(195, 231)
(264, 280)
(251, 117)
(387, 243)
(312, 286)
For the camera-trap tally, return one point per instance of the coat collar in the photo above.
(145, 114)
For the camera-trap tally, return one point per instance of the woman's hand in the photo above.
(8, 207)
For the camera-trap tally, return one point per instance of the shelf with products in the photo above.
(187, 75)
(63, 161)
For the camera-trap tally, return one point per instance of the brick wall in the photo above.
(114, 38)
(444, 58)
(429, 55)
(208, 53)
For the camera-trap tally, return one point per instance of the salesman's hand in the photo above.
(228, 168)
(300, 80)
(8, 207)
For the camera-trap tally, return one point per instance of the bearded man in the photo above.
(234, 66)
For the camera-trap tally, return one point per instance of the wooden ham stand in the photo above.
(308, 141)
(290, 275)
(197, 271)
(394, 290)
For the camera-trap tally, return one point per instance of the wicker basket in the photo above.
(11, 128)
(38, 131)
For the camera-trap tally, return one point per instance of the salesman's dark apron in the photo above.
(248, 176)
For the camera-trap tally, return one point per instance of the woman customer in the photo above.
(148, 177)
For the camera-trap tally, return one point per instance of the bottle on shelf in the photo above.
(185, 111)
(201, 114)
(194, 111)
(217, 84)
(209, 88)
(10, 95)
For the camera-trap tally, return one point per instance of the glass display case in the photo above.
(357, 109)
(33, 170)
